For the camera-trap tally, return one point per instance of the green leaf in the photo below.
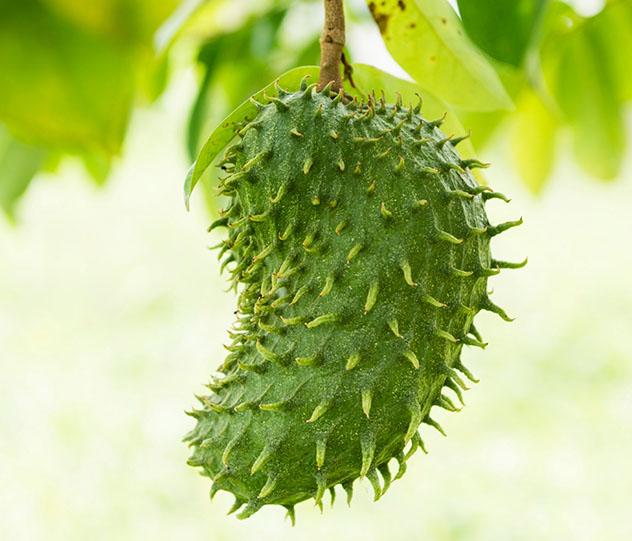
(124, 19)
(18, 165)
(61, 86)
(225, 132)
(613, 26)
(580, 76)
(533, 140)
(368, 78)
(504, 29)
(427, 39)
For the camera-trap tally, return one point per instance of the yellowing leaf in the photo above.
(61, 86)
(533, 140)
(579, 74)
(427, 39)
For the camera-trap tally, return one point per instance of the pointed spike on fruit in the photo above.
(442, 142)
(371, 297)
(386, 214)
(354, 252)
(460, 194)
(401, 463)
(489, 306)
(437, 123)
(367, 400)
(251, 508)
(414, 409)
(332, 495)
(280, 105)
(456, 140)
(460, 273)
(440, 333)
(319, 411)
(279, 89)
(405, 266)
(296, 133)
(256, 103)
(273, 406)
(334, 135)
(367, 445)
(307, 165)
(410, 355)
(306, 361)
(420, 203)
(326, 89)
(304, 82)
(420, 443)
(429, 299)
(473, 164)
(352, 361)
(321, 448)
(264, 457)
(341, 226)
(321, 486)
(299, 293)
(269, 486)
(348, 488)
(431, 422)
(290, 321)
(286, 233)
(214, 490)
(371, 189)
(341, 165)
(393, 325)
(495, 195)
(375, 483)
(468, 340)
(509, 264)
(291, 514)
(321, 320)
(446, 403)
(453, 386)
(358, 168)
(447, 237)
(308, 93)
(386, 476)
(419, 105)
(494, 230)
(315, 200)
(329, 284)
(236, 505)
(465, 371)
(266, 353)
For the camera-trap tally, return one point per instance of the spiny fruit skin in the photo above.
(360, 245)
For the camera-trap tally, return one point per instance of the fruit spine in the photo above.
(359, 244)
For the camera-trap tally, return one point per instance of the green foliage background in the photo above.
(111, 313)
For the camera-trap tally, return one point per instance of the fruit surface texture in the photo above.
(359, 246)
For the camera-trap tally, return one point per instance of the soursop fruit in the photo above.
(360, 248)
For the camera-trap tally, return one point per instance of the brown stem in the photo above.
(332, 43)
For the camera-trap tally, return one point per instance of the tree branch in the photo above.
(332, 42)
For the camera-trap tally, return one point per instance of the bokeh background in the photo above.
(113, 314)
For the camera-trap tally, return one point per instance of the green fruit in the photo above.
(360, 244)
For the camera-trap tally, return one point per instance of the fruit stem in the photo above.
(332, 42)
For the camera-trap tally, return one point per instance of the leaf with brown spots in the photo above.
(427, 39)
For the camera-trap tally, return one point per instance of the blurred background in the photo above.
(113, 313)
